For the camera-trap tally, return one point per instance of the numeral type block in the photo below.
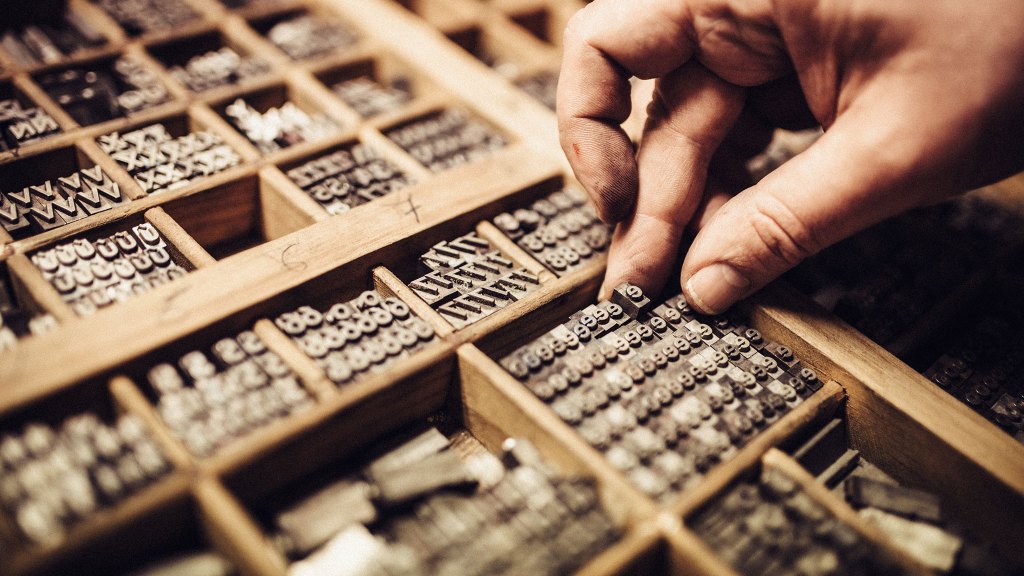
(359, 337)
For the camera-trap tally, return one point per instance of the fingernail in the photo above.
(715, 288)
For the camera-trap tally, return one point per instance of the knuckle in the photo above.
(782, 233)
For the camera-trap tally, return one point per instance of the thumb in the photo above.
(857, 174)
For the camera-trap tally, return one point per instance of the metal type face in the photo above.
(662, 392)
(982, 365)
(307, 36)
(222, 67)
(342, 180)
(278, 128)
(94, 274)
(887, 278)
(99, 92)
(52, 41)
(53, 203)
(23, 125)
(56, 477)
(370, 98)
(210, 399)
(357, 338)
(447, 139)
(562, 231)
(469, 280)
(454, 516)
(770, 526)
(541, 86)
(161, 162)
(138, 17)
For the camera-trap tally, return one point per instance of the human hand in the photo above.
(920, 100)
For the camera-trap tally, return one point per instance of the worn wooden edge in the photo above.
(907, 425)
(815, 409)
(250, 277)
(133, 401)
(385, 282)
(495, 407)
(133, 511)
(499, 240)
(234, 532)
(312, 377)
(28, 280)
(780, 461)
(688, 555)
(179, 238)
(424, 376)
(639, 551)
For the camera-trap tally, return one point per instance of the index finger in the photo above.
(606, 43)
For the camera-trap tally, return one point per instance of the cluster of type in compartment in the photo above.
(447, 139)
(982, 365)
(469, 280)
(101, 91)
(51, 41)
(358, 337)
(662, 392)
(278, 127)
(215, 68)
(53, 203)
(769, 525)
(139, 17)
(347, 178)
(562, 230)
(159, 161)
(424, 508)
(885, 279)
(209, 400)
(55, 476)
(22, 125)
(94, 274)
(368, 97)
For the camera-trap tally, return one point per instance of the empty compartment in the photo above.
(173, 153)
(236, 216)
(208, 61)
(278, 117)
(46, 191)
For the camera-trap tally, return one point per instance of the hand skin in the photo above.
(920, 100)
